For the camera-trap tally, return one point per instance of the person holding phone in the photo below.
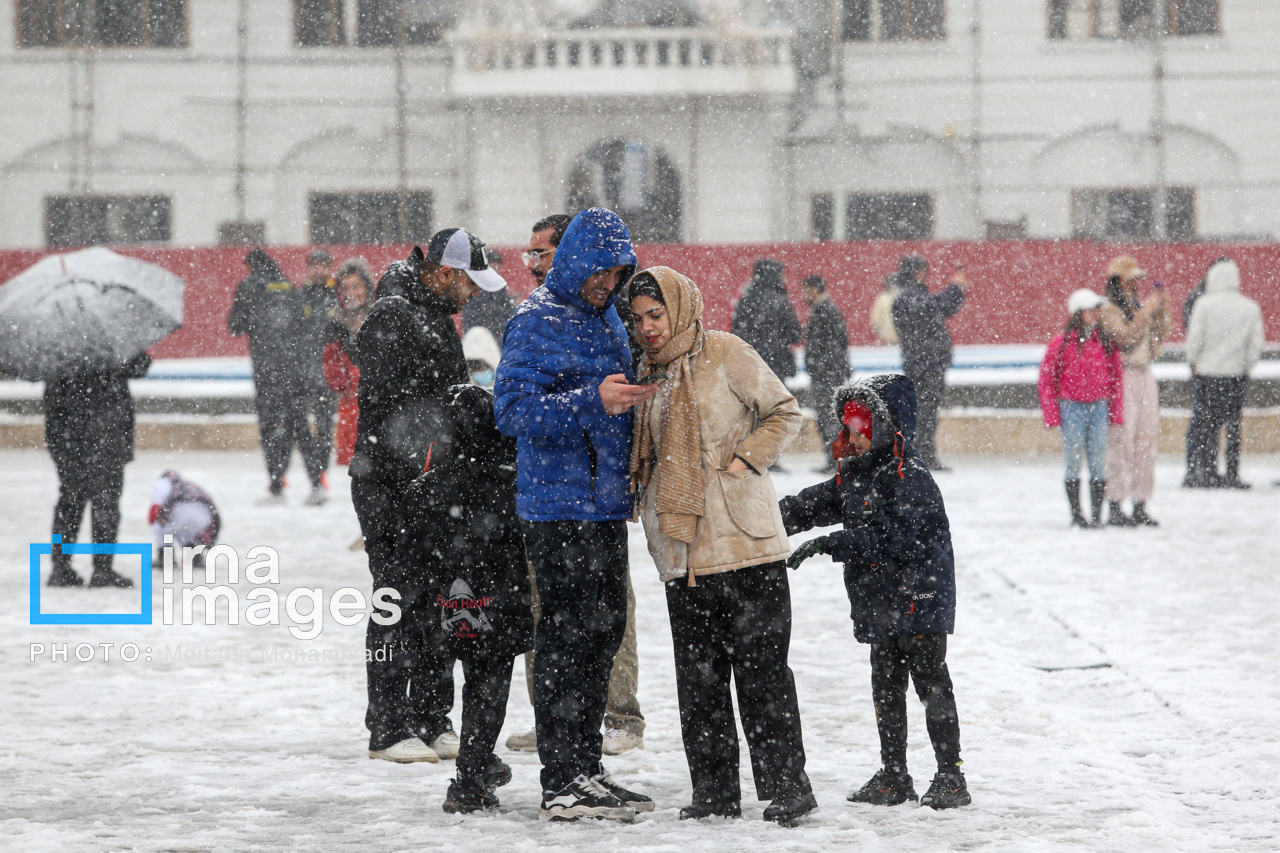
(563, 391)
(1137, 327)
(700, 475)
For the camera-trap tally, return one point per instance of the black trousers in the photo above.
(287, 418)
(484, 709)
(92, 483)
(319, 408)
(738, 624)
(1220, 400)
(929, 384)
(410, 681)
(581, 569)
(924, 660)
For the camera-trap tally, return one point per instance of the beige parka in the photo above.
(746, 411)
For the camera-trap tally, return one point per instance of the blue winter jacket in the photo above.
(573, 458)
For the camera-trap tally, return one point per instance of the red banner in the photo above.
(1019, 288)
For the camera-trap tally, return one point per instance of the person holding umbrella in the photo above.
(82, 322)
(88, 428)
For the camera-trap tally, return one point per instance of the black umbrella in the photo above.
(85, 308)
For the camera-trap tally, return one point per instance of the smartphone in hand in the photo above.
(653, 379)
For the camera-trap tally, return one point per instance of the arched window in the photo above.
(634, 179)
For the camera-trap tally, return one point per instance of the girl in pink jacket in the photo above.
(1082, 391)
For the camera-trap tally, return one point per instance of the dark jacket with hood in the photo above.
(896, 541)
(409, 355)
(765, 318)
(557, 349)
(921, 321)
(319, 301)
(89, 417)
(826, 354)
(268, 309)
(464, 533)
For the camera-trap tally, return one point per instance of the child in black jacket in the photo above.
(463, 534)
(900, 575)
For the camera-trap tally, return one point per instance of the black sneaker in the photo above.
(787, 811)
(496, 773)
(947, 791)
(639, 802)
(583, 797)
(469, 795)
(697, 811)
(885, 789)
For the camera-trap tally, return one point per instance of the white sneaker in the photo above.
(407, 751)
(583, 797)
(318, 497)
(271, 499)
(527, 742)
(446, 746)
(618, 741)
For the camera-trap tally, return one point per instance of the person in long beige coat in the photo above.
(1137, 328)
(700, 462)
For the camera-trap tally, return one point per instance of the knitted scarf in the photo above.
(681, 491)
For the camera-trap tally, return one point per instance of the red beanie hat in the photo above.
(857, 418)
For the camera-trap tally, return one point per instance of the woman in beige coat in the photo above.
(1137, 328)
(701, 453)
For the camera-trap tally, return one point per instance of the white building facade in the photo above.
(194, 122)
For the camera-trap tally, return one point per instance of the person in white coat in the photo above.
(1224, 342)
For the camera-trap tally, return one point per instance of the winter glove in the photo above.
(818, 545)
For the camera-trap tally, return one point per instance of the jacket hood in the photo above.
(892, 400)
(1223, 277)
(476, 435)
(595, 240)
(263, 266)
(768, 274)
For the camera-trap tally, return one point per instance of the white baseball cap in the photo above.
(461, 250)
(1084, 299)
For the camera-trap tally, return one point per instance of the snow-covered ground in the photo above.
(1118, 691)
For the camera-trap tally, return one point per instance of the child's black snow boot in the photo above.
(947, 791)
(467, 795)
(1097, 497)
(885, 789)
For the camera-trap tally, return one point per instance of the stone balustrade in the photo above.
(640, 61)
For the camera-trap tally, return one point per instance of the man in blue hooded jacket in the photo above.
(563, 390)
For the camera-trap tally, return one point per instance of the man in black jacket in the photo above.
(88, 428)
(319, 298)
(921, 321)
(899, 572)
(765, 319)
(826, 355)
(268, 309)
(409, 356)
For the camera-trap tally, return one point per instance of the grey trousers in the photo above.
(623, 708)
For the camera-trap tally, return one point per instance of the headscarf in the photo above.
(681, 491)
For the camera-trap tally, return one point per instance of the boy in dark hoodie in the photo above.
(899, 571)
(463, 530)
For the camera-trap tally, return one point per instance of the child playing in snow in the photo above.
(900, 575)
(464, 540)
(182, 509)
